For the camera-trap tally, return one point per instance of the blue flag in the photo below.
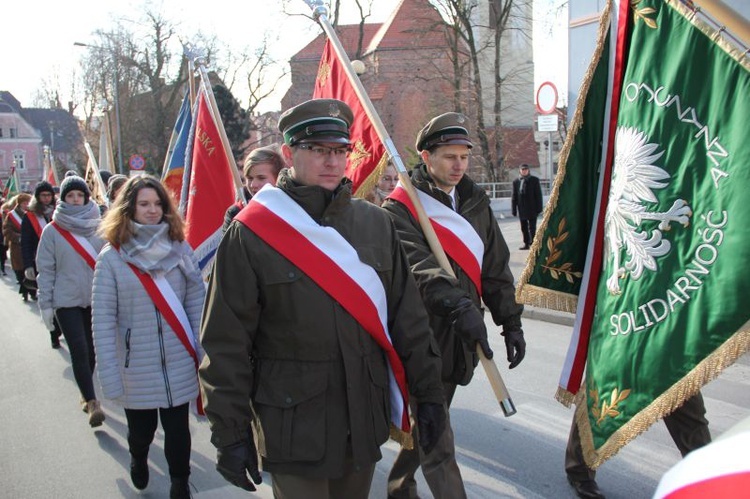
(175, 163)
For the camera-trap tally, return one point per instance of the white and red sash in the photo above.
(171, 309)
(37, 222)
(456, 235)
(15, 219)
(334, 265)
(79, 243)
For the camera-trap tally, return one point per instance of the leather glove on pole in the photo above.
(515, 346)
(235, 461)
(431, 424)
(469, 325)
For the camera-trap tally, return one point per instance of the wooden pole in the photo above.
(320, 12)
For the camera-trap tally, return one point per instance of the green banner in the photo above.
(552, 277)
(671, 308)
(663, 314)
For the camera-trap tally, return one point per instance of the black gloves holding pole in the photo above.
(236, 461)
(468, 324)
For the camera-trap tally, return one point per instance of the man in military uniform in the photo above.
(479, 259)
(311, 320)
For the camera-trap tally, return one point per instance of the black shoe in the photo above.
(55, 344)
(180, 488)
(139, 472)
(587, 489)
(524, 247)
(25, 296)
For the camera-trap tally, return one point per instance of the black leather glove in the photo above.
(469, 325)
(431, 424)
(235, 461)
(515, 346)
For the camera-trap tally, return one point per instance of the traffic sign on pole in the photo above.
(546, 98)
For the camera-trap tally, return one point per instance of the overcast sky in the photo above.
(37, 35)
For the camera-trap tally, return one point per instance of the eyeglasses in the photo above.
(323, 151)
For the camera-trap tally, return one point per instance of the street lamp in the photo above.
(117, 103)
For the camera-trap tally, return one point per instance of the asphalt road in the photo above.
(48, 450)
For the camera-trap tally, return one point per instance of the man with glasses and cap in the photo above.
(313, 327)
(479, 259)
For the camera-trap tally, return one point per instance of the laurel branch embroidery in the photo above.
(608, 409)
(642, 14)
(553, 246)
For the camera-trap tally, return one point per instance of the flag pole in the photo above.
(214, 107)
(320, 13)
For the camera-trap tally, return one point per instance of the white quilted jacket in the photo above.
(140, 362)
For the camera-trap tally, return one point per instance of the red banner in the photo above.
(368, 153)
(211, 189)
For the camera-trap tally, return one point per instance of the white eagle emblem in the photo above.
(634, 178)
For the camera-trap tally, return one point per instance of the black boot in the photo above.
(180, 488)
(55, 339)
(139, 471)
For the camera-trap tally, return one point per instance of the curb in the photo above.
(547, 315)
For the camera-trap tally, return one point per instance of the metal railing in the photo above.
(498, 190)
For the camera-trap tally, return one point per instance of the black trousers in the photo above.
(528, 229)
(175, 423)
(75, 323)
(687, 426)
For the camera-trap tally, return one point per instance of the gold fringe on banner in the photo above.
(565, 397)
(549, 298)
(707, 370)
(533, 295)
(372, 179)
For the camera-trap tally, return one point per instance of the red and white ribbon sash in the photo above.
(79, 243)
(456, 235)
(171, 309)
(38, 223)
(334, 265)
(720, 469)
(16, 219)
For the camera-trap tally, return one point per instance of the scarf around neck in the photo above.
(150, 248)
(78, 219)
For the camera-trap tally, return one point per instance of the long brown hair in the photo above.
(116, 227)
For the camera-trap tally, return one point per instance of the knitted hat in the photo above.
(41, 187)
(74, 183)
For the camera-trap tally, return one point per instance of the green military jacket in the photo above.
(281, 354)
(439, 290)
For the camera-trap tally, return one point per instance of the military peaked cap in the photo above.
(317, 120)
(443, 130)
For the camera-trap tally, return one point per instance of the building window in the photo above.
(1, 133)
(19, 159)
(13, 133)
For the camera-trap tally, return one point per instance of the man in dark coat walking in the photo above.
(527, 203)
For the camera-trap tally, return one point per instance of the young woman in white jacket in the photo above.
(146, 361)
(65, 260)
